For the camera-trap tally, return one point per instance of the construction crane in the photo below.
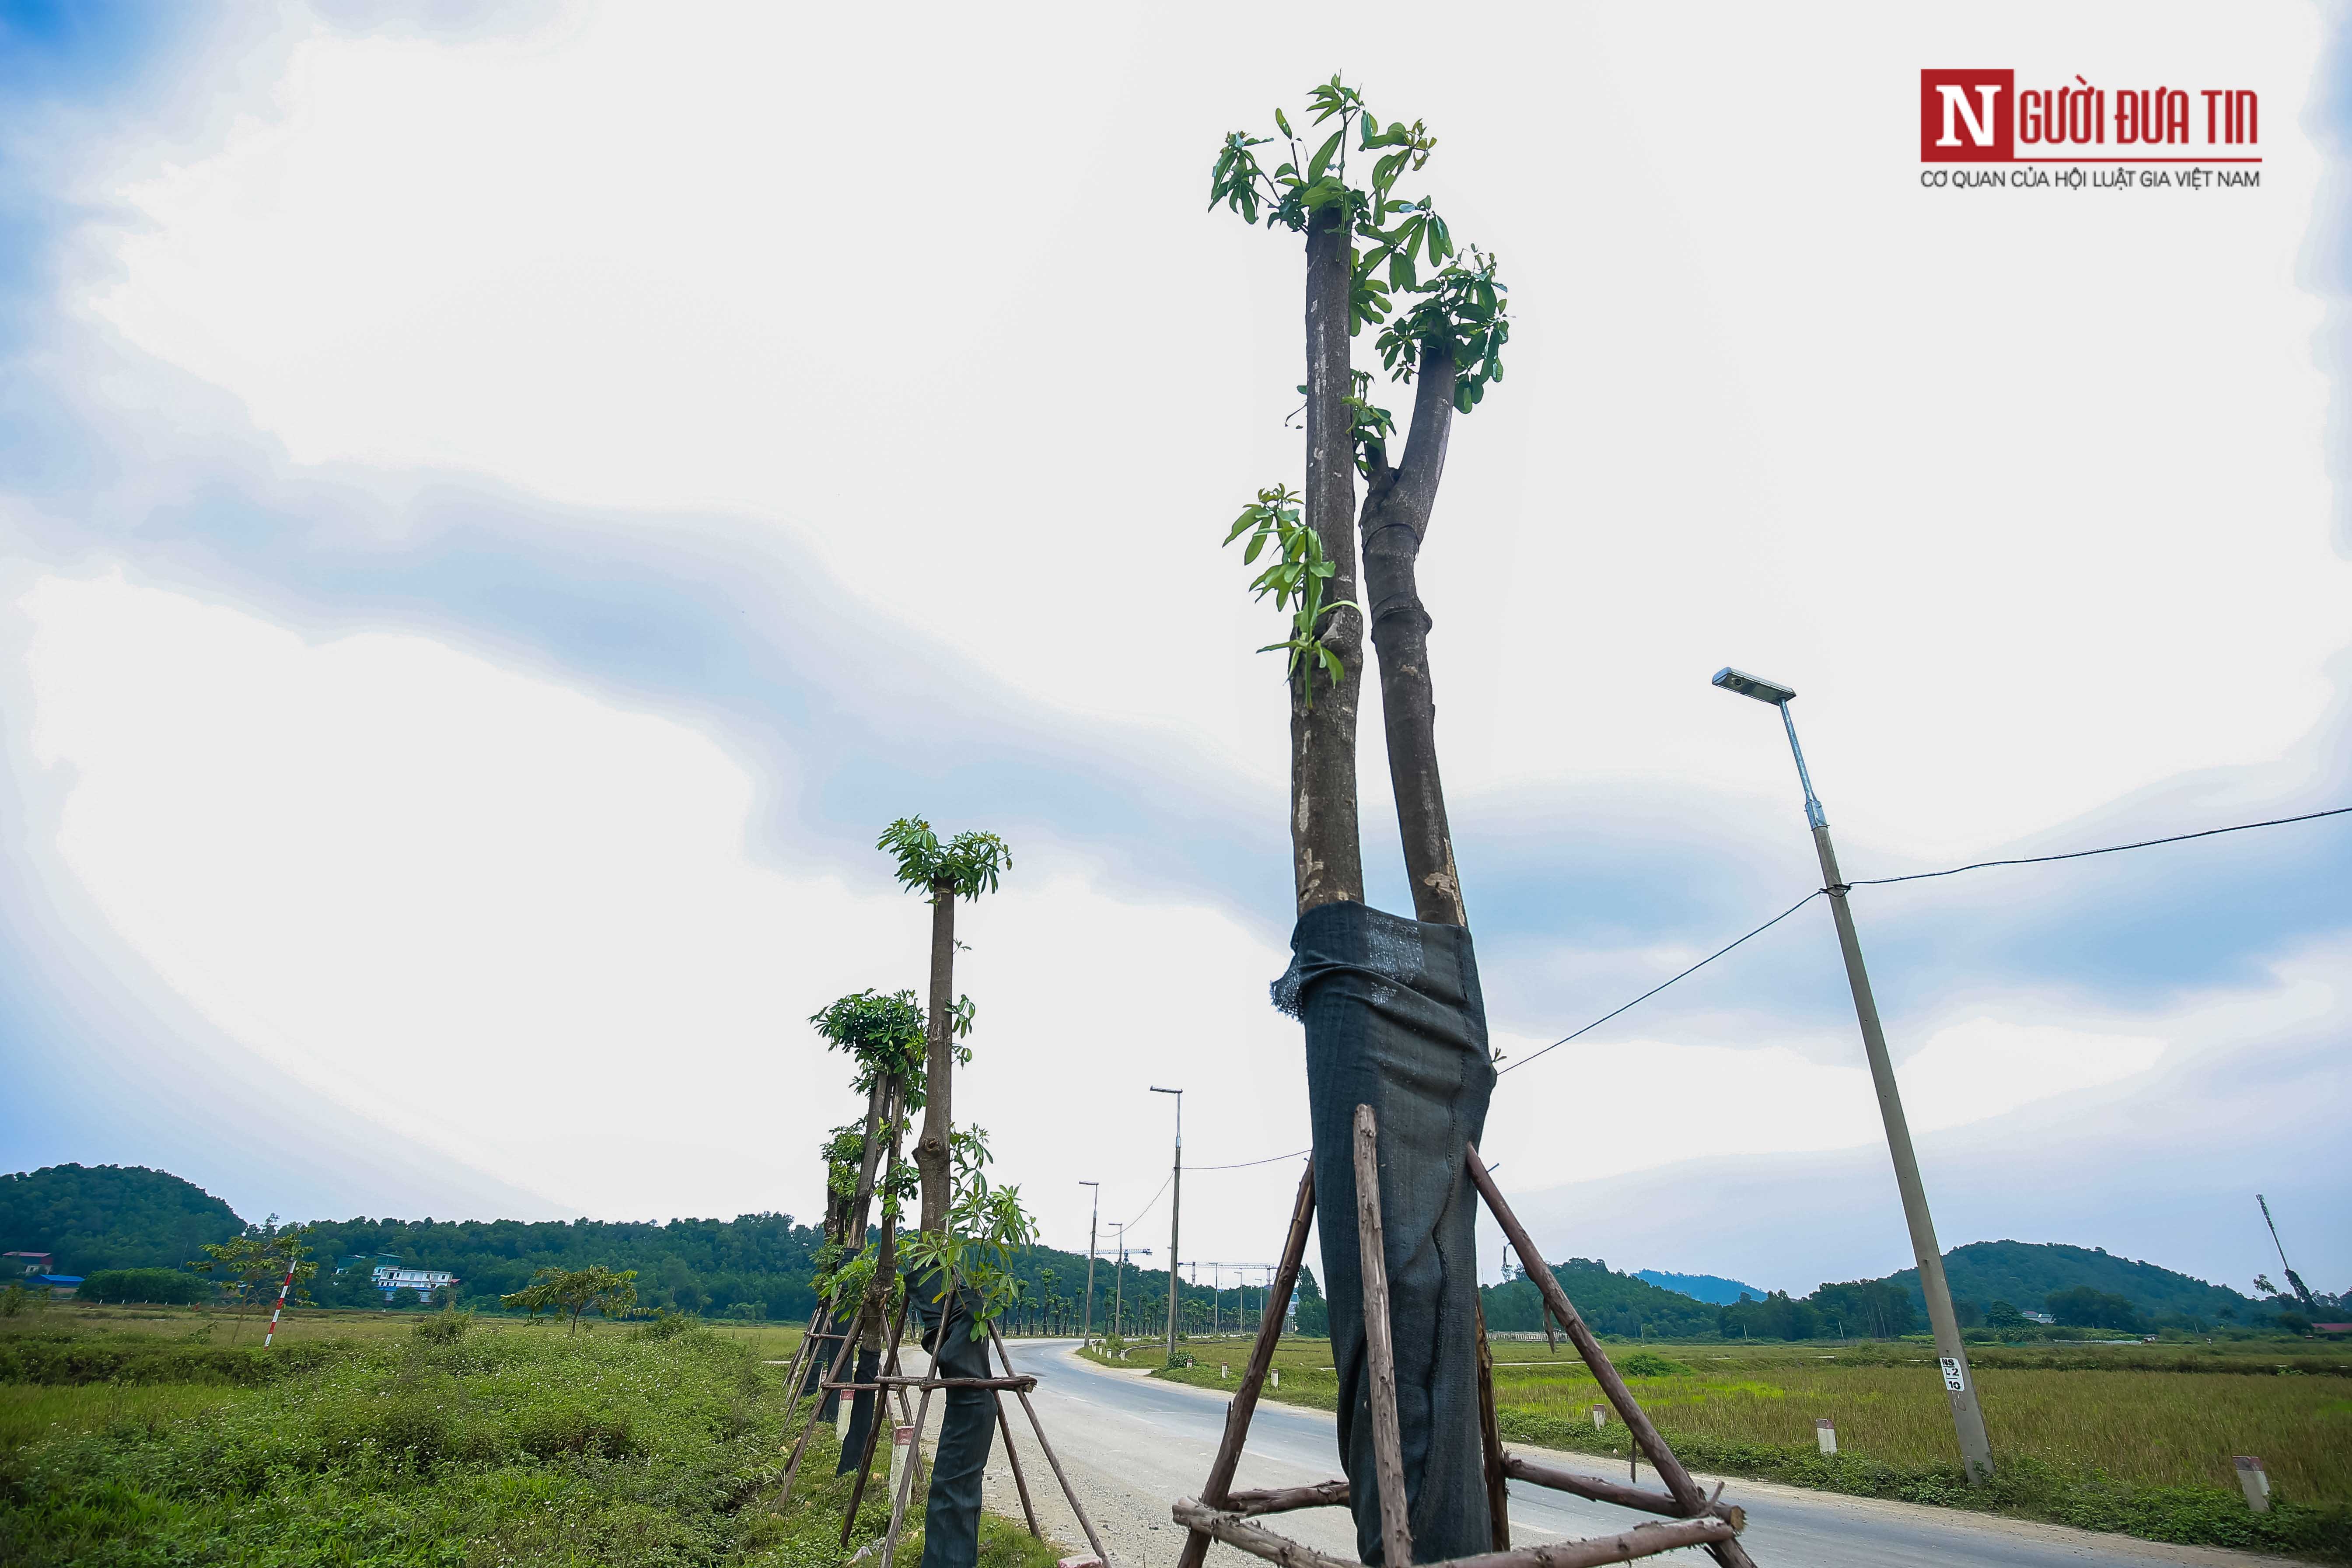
(2295, 1280)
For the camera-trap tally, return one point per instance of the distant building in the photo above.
(58, 1284)
(27, 1262)
(2037, 1317)
(389, 1278)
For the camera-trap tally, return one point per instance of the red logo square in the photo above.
(1968, 116)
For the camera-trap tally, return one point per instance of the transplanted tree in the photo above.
(963, 867)
(1373, 259)
(572, 1291)
(883, 1035)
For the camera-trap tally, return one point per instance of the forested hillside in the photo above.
(2025, 1274)
(1611, 1302)
(109, 1216)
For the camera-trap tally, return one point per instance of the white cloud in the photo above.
(1956, 466)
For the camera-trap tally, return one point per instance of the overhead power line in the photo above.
(1244, 1164)
(1654, 990)
(2110, 850)
(1859, 883)
(1917, 876)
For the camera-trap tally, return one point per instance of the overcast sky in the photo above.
(496, 515)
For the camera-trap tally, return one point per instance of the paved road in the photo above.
(1134, 1445)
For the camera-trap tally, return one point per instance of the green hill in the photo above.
(1611, 1302)
(109, 1216)
(1710, 1287)
(2024, 1273)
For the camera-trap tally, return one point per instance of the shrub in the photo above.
(444, 1327)
(1650, 1363)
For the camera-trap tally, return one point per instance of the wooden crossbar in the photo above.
(1219, 1513)
(1641, 1540)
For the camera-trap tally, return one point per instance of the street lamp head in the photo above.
(1090, 1184)
(1157, 1089)
(1754, 686)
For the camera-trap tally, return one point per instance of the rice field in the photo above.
(2148, 1429)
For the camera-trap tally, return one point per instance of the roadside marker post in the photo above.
(1599, 1416)
(1825, 1433)
(902, 1443)
(288, 1285)
(2256, 1480)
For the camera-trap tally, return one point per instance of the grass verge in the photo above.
(493, 1450)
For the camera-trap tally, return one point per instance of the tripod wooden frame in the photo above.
(891, 1381)
(1692, 1517)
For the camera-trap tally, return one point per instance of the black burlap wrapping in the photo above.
(861, 1410)
(951, 1522)
(1394, 1020)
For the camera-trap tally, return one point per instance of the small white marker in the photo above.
(1825, 1433)
(2256, 1480)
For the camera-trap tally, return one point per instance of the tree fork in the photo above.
(1326, 845)
(1398, 503)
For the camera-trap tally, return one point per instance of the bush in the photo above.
(1650, 1363)
(1181, 1359)
(665, 1325)
(444, 1327)
(169, 1286)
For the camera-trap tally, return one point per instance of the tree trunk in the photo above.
(939, 1074)
(1326, 856)
(1397, 507)
(861, 1207)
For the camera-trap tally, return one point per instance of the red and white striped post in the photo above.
(291, 1265)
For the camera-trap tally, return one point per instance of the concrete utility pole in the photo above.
(1175, 1212)
(1959, 1384)
(1118, 1281)
(1093, 1226)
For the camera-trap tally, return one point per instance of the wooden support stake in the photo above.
(1269, 1335)
(1490, 1439)
(1020, 1482)
(1380, 1347)
(1617, 1492)
(1282, 1500)
(1687, 1498)
(906, 1485)
(800, 1447)
(1069, 1493)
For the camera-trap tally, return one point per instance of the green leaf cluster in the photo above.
(883, 1035)
(966, 865)
(1296, 577)
(1459, 305)
(987, 1228)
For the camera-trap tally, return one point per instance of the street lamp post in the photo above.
(1175, 1212)
(1094, 1228)
(1959, 1384)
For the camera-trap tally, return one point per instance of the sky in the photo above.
(499, 505)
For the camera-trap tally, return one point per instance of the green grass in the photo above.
(509, 1445)
(2133, 1439)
